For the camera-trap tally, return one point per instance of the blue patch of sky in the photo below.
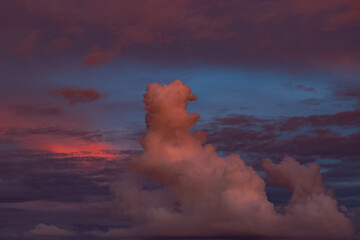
(327, 161)
(265, 93)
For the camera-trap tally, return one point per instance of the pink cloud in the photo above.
(201, 194)
(98, 57)
(77, 95)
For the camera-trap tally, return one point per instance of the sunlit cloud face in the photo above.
(197, 193)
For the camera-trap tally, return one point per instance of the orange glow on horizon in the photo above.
(80, 149)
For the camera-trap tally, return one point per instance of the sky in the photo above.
(181, 118)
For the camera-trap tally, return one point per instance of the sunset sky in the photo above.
(276, 80)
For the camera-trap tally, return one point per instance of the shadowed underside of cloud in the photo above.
(180, 187)
(325, 136)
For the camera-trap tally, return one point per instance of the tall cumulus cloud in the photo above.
(181, 187)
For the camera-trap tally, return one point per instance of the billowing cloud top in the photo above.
(180, 187)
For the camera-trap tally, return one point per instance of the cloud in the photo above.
(341, 119)
(32, 109)
(58, 43)
(311, 137)
(77, 95)
(311, 102)
(98, 57)
(239, 120)
(26, 46)
(291, 174)
(169, 31)
(86, 135)
(43, 230)
(349, 94)
(307, 89)
(60, 177)
(42, 205)
(181, 187)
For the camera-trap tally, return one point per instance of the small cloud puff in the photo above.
(43, 230)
